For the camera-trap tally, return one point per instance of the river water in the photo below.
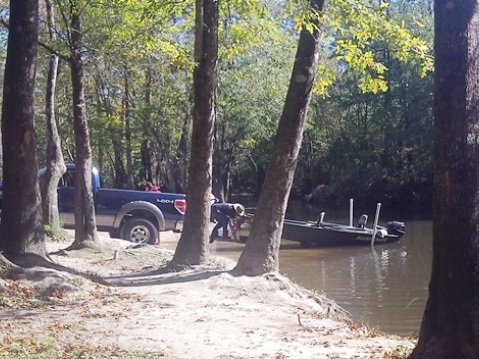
(383, 287)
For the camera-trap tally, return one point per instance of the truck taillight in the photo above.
(180, 205)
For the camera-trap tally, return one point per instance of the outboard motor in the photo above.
(396, 227)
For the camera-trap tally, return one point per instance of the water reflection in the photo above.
(384, 286)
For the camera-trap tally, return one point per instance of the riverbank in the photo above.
(133, 310)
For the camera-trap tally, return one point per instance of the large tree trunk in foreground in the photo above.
(262, 249)
(85, 222)
(450, 325)
(192, 246)
(21, 226)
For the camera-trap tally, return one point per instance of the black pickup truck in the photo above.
(136, 216)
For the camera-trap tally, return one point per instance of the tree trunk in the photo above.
(146, 172)
(21, 226)
(55, 166)
(262, 249)
(181, 168)
(85, 222)
(192, 246)
(116, 132)
(218, 183)
(127, 121)
(450, 325)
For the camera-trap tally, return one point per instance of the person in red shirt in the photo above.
(150, 187)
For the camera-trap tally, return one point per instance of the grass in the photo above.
(55, 233)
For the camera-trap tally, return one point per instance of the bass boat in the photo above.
(321, 233)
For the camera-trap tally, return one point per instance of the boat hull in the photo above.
(332, 234)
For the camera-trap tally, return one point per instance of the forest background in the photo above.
(369, 132)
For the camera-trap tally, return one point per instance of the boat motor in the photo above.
(396, 227)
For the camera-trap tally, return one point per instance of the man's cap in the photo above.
(239, 208)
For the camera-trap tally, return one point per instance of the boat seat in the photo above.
(319, 222)
(362, 221)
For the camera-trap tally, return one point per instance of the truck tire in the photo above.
(139, 230)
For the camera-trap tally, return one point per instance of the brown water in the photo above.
(385, 286)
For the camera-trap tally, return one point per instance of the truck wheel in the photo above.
(139, 230)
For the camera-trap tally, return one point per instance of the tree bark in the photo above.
(127, 122)
(55, 166)
(21, 227)
(192, 246)
(116, 131)
(146, 172)
(85, 222)
(450, 324)
(181, 162)
(218, 183)
(262, 248)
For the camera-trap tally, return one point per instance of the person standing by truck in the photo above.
(150, 187)
(222, 213)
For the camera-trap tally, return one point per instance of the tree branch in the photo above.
(54, 52)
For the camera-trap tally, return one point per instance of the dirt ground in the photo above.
(129, 309)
